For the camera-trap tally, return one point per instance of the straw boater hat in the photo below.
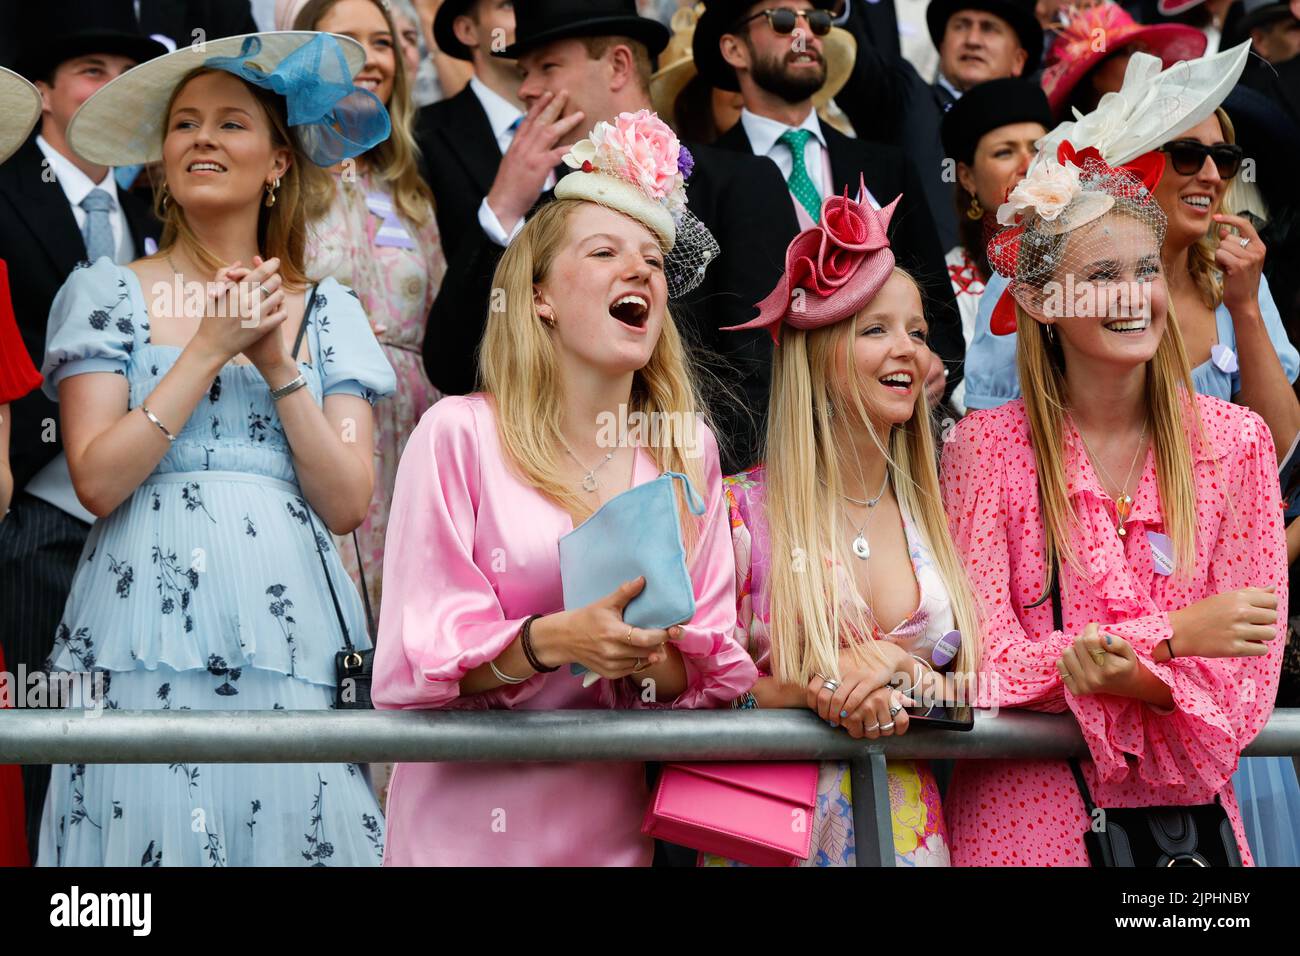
(20, 108)
(839, 47)
(122, 123)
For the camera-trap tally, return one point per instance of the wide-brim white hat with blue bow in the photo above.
(20, 108)
(122, 123)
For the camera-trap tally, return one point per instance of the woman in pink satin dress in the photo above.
(472, 613)
(1159, 506)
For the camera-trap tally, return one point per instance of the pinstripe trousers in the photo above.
(39, 549)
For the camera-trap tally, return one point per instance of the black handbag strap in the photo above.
(329, 580)
(302, 327)
(1058, 624)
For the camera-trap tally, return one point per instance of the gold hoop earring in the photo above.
(974, 210)
(164, 194)
(270, 193)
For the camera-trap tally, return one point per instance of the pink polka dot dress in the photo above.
(1030, 813)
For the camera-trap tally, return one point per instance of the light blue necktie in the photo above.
(98, 230)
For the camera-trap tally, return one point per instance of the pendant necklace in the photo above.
(589, 482)
(1124, 503)
(861, 549)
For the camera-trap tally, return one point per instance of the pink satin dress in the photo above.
(472, 551)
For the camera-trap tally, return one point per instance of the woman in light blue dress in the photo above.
(217, 453)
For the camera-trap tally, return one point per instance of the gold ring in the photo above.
(629, 633)
(1098, 657)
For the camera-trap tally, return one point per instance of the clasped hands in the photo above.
(864, 700)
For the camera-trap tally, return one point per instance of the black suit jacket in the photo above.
(912, 234)
(460, 157)
(41, 243)
(742, 200)
(887, 101)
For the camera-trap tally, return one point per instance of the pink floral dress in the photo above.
(920, 838)
(395, 267)
(1030, 813)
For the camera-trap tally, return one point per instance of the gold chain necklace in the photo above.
(1124, 503)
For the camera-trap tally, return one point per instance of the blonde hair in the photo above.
(304, 193)
(395, 161)
(810, 617)
(1205, 272)
(519, 369)
(1169, 396)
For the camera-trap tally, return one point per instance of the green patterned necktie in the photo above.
(800, 183)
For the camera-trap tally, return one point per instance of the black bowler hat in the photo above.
(55, 31)
(1018, 13)
(987, 106)
(538, 22)
(444, 36)
(720, 17)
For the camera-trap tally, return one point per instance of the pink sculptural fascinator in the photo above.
(832, 270)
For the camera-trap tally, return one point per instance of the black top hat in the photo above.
(1018, 13)
(443, 35)
(55, 31)
(987, 106)
(538, 22)
(720, 17)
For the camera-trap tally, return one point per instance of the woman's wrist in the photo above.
(547, 637)
(202, 359)
(280, 373)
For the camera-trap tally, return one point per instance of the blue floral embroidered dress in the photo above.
(204, 591)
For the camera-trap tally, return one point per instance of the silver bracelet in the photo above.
(917, 683)
(288, 388)
(161, 427)
(505, 678)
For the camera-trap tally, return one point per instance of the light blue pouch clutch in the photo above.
(634, 534)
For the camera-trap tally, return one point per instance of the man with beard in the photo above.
(581, 62)
(772, 53)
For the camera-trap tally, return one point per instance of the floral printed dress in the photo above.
(204, 590)
(920, 838)
(395, 268)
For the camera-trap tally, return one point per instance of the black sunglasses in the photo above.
(783, 20)
(1188, 156)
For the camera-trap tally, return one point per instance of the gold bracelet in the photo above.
(154, 418)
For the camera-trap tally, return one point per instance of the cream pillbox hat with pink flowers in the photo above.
(637, 166)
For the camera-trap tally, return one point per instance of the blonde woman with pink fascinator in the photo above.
(851, 599)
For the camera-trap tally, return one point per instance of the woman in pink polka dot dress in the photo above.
(1159, 506)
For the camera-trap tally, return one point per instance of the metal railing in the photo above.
(280, 736)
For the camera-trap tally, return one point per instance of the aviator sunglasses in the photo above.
(1188, 156)
(783, 20)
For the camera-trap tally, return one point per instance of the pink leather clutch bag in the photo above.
(757, 813)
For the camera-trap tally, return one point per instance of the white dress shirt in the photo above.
(77, 185)
(764, 135)
(943, 81)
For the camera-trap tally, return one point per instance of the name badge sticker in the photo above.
(1162, 553)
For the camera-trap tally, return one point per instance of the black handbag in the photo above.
(1140, 837)
(353, 668)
